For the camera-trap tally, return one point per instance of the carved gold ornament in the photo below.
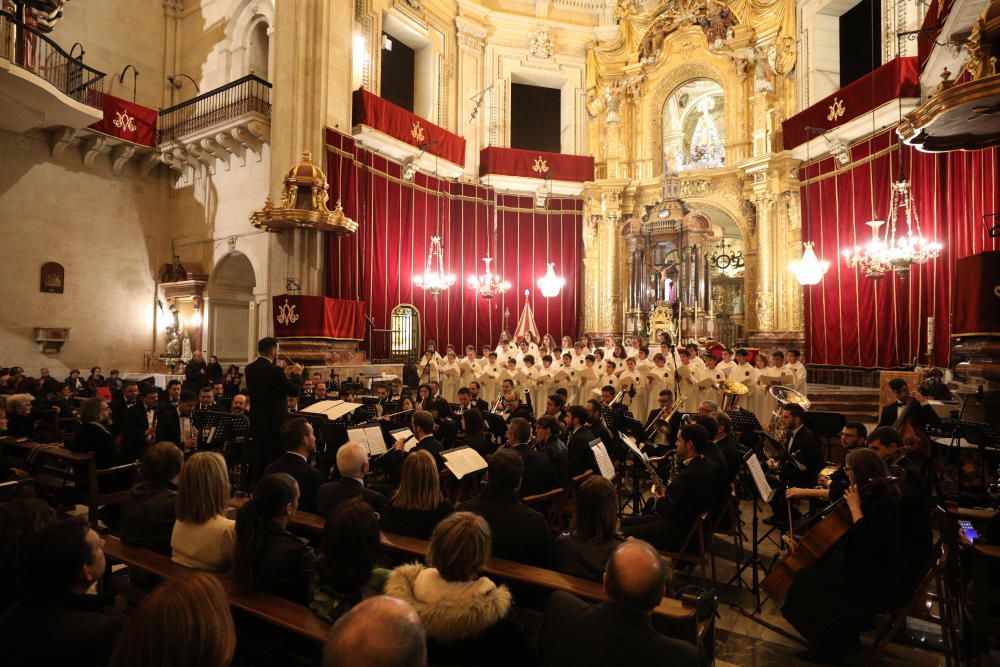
(286, 314)
(837, 109)
(123, 121)
(417, 132)
(540, 166)
(303, 204)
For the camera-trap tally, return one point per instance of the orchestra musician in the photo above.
(832, 488)
(663, 433)
(910, 404)
(475, 397)
(580, 456)
(799, 466)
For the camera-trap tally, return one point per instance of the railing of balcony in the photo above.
(245, 95)
(35, 52)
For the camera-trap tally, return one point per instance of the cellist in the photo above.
(832, 602)
(908, 404)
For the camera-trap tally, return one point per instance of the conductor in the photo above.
(269, 390)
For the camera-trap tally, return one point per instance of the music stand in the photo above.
(496, 425)
(981, 434)
(217, 430)
(753, 476)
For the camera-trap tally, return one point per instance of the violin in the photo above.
(815, 544)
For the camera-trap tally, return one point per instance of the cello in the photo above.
(815, 544)
(916, 444)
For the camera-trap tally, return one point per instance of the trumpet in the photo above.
(665, 415)
(497, 403)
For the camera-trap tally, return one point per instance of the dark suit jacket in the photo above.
(135, 427)
(168, 426)
(481, 405)
(92, 438)
(284, 566)
(581, 457)
(119, 411)
(689, 494)
(147, 516)
(392, 461)
(538, 474)
(924, 414)
(332, 494)
(805, 449)
(269, 390)
(308, 477)
(195, 375)
(519, 533)
(731, 453)
(605, 634)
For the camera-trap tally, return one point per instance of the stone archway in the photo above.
(229, 298)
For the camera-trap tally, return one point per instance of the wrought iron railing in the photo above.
(35, 52)
(246, 95)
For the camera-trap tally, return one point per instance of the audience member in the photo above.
(19, 519)
(148, 511)
(299, 442)
(55, 622)
(346, 570)
(468, 619)
(93, 435)
(519, 533)
(20, 423)
(359, 636)
(352, 462)
(185, 622)
(417, 506)
(268, 558)
(593, 533)
(618, 631)
(203, 537)
(547, 431)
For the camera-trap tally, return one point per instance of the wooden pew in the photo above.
(276, 611)
(671, 615)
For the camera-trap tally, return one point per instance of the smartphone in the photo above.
(967, 529)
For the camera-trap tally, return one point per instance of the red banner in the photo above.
(897, 78)
(128, 121)
(398, 123)
(535, 164)
(303, 316)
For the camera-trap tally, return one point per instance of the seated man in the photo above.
(690, 493)
(538, 474)
(422, 425)
(55, 622)
(352, 462)
(299, 442)
(580, 455)
(359, 636)
(519, 533)
(618, 631)
(147, 513)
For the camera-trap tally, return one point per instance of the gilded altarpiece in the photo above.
(652, 175)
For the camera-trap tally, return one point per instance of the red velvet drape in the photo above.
(854, 321)
(396, 220)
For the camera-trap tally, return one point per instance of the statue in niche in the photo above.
(613, 102)
(738, 304)
(174, 272)
(750, 214)
(173, 348)
(764, 69)
(186, 347)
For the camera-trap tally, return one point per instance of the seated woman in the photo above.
(20, 423)
(346, 572)
(468, 619)
(93, 435)
(268, 558)
(148, 512)
(474, 427)
(403, 413)
(445, 428)
(203, 537)
(831, 603)
(593, 533)
(417, 505)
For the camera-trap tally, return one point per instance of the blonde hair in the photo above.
(203, 488)
(419, 484)
(185, 622)
(460, 546)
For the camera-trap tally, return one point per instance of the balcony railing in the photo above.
(246, 95)
(35, 52)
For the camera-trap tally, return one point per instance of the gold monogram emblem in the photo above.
(417, 132)
(541, 166)
(124, 121)
(286, 314)
(837, 109)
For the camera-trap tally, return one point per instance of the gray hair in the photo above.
(351, 458)
(17, 401)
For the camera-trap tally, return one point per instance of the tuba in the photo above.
(783, 395)
(731, 392)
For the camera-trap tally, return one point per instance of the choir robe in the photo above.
(526, 380)
(587, 383)
(428, 369)
(761, 403)
(579, 361)
(489, 382)
(712, 393)
(469, 369)
(726, 367)
(691, 386)
(450, 379)
(698, 363)
(568, 377)
(640, 403)
(603, 379)
(658, 378)
(629, 379)
(545, 387)
(798, 370)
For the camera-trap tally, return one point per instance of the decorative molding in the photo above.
(202, 151)
(471, 33)
(93, 144)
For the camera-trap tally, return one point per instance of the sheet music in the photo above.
(631, 444)
(375, 440)
(320, 407)
(763, 488)
(463, 460)
(607, 468)
(410, 440)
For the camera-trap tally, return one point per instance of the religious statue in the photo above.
(44, 14)
(613, 101)
(186, 346)
(173, 342)
(174, 272)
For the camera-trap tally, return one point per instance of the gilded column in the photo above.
(763, 298)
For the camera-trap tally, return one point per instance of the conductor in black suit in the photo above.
(269, 389)
(580, 455)
(914, 404)
(801, 466)
(299, 442)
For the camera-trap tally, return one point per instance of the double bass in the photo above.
(916, 444)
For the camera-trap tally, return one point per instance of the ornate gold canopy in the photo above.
(303, 204)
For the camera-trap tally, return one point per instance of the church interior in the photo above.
(475, 332)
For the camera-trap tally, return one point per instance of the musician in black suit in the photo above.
(195, 372)
(514, 408)
(422, 425)
(174, 422)
(352, 463)
(619, 630)
(597, 420)
(800, 465)
(663, 437)
(538, 475)
(445, 428)
(299, 442)
(690, 493)
(727, 444)
(913, 404)
(269, 388)
(580, 455)
(140, 422)
(477, 402)
(121, 406)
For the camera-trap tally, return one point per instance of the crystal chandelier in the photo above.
(809, 270)
(550, 284)
(489, 284)
(434, 279)
(727, 260)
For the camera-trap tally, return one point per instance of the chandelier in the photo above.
(893, 252)
(489, 284)
(727, 260)
(809, 270)
(434, 279)
(550, 284)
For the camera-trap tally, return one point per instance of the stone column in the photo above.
(470, 71)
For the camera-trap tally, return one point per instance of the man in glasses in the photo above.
(832, 487)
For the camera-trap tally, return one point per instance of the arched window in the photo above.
(257, 51)
(405, 333)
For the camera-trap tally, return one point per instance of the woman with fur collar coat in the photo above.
(469, 620)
